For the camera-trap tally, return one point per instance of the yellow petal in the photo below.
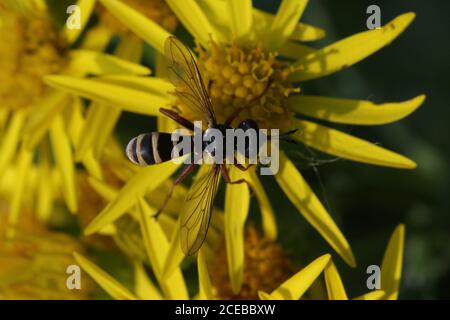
(347, 52)
(343, 145)
(64, 160)
(302, 31)
(237, 203)
(143, 286)
(104, 280)
(146, 180)
(268, 217)
(125, 98)
(296, 286)
(97, 63)
(306, 32)
(285, 22)
(391, 267)
(335, 287)
(307, 203)
(45, 189)
(156, 86)
(292, 49)
(42, 115)
(373, 295)
(97, 38)
(24, 161)
(157, 247)
(175, 255)
(130, 48)
(86, 8)
(144, 28)
(219, 16)
(241, 17)
(10, 140)
(349, 111)
(204, 282)
(193, 18)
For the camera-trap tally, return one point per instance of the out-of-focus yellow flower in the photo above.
(39, 126)
(33, 265)
(240, 49)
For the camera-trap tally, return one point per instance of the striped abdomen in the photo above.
(151, 148)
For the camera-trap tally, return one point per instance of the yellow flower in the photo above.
(239, 50)
(35, 120)
(33, 265)
(173, 286)
(266, 266)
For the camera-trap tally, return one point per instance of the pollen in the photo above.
(266, 266)
(156, 10)
(30, 47)
(251, 77)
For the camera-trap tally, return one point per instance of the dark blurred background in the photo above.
(367, 201)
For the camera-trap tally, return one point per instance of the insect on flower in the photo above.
(156, 147)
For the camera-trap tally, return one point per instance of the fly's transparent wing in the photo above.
(196, 212)
(186, 77)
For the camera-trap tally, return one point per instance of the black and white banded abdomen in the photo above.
(151, 148)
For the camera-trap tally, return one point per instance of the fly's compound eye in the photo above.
(248, 124)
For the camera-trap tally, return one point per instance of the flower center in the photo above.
(156, 10)
(30, 48)
(247, 77)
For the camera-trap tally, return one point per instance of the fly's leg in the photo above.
(177, 118)
(183, 174)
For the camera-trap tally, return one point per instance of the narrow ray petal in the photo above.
(10, 140)
(204, 281)
(304, 199)
(296, 286)
(24, 162)
(146, 29)
(347, 52)
(42, 115)
(96, 63)
(333, 281)
(194, 19)
(157, 247)
(349, 111)
(237, 203)
(143, 286)
(373, 295)
(302, 32)
(343, 145)
(241, 17)
(85, 9)
(127, 99)
(146, 180)
(391, 267)
(113, 287)
(285, 22)
(268, 217)
(64, 160)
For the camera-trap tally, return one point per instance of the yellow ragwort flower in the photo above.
(39, 126)
(240, 48)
